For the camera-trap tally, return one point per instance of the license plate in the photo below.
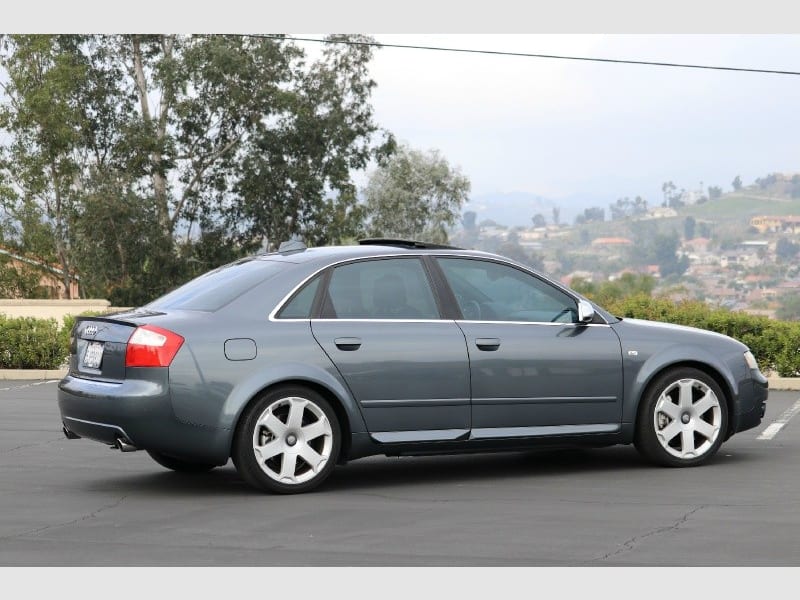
(93, 355)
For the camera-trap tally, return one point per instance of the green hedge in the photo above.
(775, 344)
(30, 343)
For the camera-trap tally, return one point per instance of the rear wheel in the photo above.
(176, 464)
(683, 419)
(287, 441)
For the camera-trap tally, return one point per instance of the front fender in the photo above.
(639, 373)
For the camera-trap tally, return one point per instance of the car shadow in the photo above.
(382, 472)
(488, 467)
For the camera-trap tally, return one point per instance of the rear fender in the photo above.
(249, 388)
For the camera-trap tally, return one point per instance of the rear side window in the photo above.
(299, 307)
(394, 288)
(215, 289)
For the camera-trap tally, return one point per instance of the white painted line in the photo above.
(772, 430)
(27, 385)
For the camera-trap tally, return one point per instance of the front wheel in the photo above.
(682, 420)
(288, 441)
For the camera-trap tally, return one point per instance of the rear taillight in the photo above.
(152, 346)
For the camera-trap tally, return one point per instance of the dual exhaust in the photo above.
(124, 445)
(121, 443)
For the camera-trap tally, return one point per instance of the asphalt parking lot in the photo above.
(75, 502)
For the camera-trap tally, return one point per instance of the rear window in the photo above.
(215, 289)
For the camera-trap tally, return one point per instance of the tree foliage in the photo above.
(625, 207)
(415, 195)
(150, 157)
(590, 215)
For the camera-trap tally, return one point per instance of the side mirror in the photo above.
(585, 312)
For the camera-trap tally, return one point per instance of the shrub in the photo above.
(775, 344)
(29, 343)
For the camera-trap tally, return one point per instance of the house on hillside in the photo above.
(611, 242)
(776, 223)
(51, 280)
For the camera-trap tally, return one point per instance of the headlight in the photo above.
(750, 360)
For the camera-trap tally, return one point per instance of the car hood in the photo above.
(676, 333)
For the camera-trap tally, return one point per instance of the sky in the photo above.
(581, 132)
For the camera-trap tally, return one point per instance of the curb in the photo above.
(784, 383)
(775, 383)
(31, 374)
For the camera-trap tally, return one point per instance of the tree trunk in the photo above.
(61, 249)
(159, 180)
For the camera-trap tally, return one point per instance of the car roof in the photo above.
(328, 254)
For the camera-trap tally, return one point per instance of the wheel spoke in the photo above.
(669, 432)
(685, 398)
(312, 457)
(705, 403)
(707, 430)
(297, 407)
(687, 441)
(666, 406)
(316, 429)
(288, 466)
(270, 449)
(272, 423)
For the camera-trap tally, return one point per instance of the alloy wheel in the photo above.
(687, 418)
(292, 440)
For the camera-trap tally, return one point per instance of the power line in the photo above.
(531, 55)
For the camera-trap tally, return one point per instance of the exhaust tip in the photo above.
(69, 435)
(124, 445)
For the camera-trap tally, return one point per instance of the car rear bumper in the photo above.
(139, 413)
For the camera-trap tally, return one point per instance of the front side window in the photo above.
(395, 288)
(489, 291)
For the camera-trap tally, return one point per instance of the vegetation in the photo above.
(138, 161)
(775, 344)
(28, 343)
(415, 195)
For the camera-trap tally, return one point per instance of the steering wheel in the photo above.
(561, 314)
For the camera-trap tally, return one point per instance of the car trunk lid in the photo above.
(98, 346)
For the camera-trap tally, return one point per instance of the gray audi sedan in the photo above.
(292, 362)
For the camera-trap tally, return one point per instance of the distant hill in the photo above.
(517, 208)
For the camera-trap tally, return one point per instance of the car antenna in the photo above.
(291, 246)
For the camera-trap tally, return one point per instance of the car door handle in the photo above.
(487, 344)
(348, 344)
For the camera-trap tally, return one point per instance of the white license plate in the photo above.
(93, 355)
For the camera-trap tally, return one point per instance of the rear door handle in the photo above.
(487, 344)
(348, 344)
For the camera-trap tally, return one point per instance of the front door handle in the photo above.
(348, 344)
(487, 344)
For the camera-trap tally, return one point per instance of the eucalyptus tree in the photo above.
(153, 156)
(415, 195)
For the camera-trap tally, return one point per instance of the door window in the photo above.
(490, 291)
(380, 289)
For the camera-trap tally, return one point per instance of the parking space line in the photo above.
(27, 385)
(773, 428)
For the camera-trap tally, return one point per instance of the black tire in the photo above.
(176, 464)
(249, 465)
(650, 431)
